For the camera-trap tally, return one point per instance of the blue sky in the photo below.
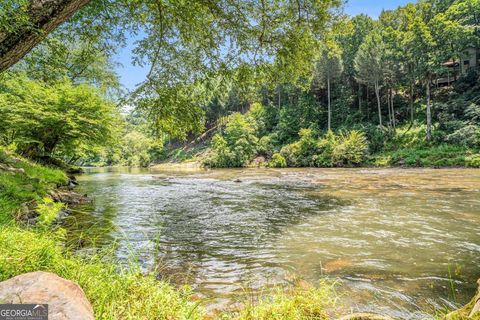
(131, 75)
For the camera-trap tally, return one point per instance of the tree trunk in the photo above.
(44, 16)
(367, 104)
(393, 112)
(389, 109)
(412, 115)
(329, 105)
(359, 97)
(377, 93)
(429, 112)
(279, 95)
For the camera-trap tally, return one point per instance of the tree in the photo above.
(191, 47)
(237, 146)
(81, 61)
(370, 65)
(427, 60)
(328, 69)
(360, 27)
(58, 119)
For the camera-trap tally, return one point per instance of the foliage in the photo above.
(81, 60)
(351, 149)
(61, 119)
(346, 149)
(237, 146)
(277, 161)
(48, 211)
(265, 146)
(301, 152)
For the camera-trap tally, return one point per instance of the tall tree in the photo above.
(328, 69)
(370, 65)
(360, 27)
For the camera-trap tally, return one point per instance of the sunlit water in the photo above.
(401, 242)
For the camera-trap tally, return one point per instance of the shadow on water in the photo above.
(391, 237)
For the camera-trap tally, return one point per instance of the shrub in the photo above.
(351, 150)
(473, 160)
(265, 146)
(301, 153)
(290, 153)
(326, 147)
(236, 147)
(468, 136)
(256, 117)
(278, 161)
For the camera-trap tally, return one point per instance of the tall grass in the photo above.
(115, 292)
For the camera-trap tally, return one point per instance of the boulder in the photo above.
(65, 299)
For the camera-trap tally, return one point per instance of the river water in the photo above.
(397, 241)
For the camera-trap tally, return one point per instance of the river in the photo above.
(400, 242)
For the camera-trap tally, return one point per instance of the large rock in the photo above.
(65, 299)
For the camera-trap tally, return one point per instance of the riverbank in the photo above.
(115, 292)
(119, 292)
(407, 148)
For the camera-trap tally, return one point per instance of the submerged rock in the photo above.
(65, 299)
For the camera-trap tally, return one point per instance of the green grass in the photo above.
(17, 188)
(115, 293)
(296, 302)
(409, 149)
(443, 155)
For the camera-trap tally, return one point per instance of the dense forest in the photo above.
(343, 91)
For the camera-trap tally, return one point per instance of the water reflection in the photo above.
(391, 236)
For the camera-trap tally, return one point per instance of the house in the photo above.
(470, 59)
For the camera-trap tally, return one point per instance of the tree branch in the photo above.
(43, 17)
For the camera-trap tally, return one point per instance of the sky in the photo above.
(132, 75)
